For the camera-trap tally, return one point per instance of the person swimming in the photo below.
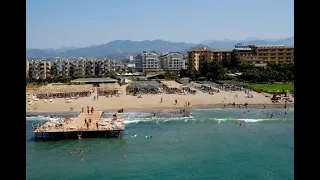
(79, 136)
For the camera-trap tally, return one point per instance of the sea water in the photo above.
(208, 144)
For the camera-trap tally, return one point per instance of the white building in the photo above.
(173, 61)
(131, 59)
(147, 62)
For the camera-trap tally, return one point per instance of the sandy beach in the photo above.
(152, 102)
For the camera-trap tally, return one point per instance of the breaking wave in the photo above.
(147, 119)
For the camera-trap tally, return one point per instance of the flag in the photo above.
(120, 111)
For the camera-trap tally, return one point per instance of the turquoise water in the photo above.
(207, 145)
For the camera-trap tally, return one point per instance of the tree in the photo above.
(242, 66)
(218, 71)
(183, 73)
(191, 73)
(110, 73)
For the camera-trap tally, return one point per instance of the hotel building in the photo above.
(260, 55)
(147, 62)
(196, 56)
(173, 61)
(273, 53)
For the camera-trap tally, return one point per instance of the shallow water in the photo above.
(208, 144)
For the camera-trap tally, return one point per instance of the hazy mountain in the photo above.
(196, 47)
(62, 49)
(119, 48)
(229, 44)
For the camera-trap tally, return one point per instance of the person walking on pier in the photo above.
(97, 125)
(88, 109)
(92, 109)
(82, 109)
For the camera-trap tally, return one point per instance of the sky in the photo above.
(81, 23)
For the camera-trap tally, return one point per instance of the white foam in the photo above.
(156, 119)
(245, 120)
(44, 118)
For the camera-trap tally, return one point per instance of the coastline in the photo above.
(164, 109)
(153, 103)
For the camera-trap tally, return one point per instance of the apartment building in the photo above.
(61, 67)
(78, 67)
(90, 67)
(172, 61)
(103, 65)
(147, 62)
(38, 69)
(27, 68)
(68, 67)
(196, 56)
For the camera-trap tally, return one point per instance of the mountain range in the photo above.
(120, 48)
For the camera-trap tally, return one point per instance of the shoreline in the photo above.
(164, 109)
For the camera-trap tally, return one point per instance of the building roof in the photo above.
(171, 84)
(272, 46)
(143, 84)
(209, 83)
(109, 87)
(55, 89)
(206, 49)
(171, 53)
(94, 80)
(149, 53)
(243, 49)
(200, 49)
(221, 50)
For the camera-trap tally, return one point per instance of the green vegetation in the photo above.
(272, 87)
(218, 70)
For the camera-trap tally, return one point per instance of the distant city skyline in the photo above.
(81, 23)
